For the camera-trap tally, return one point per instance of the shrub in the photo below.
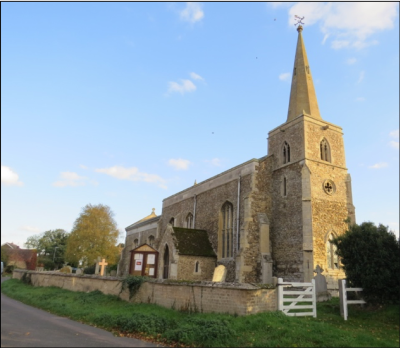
(370, 258)
(89, 269)
(132, 283)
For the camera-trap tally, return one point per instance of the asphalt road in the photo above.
(26, 326)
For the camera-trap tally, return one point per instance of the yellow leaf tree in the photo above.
(94, 234)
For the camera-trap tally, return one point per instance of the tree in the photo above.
(51, 247)
(94, 235)
(370, 258)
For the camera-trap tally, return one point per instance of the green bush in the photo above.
(89, 269)
(370, 258)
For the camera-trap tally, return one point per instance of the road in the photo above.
(26, 326)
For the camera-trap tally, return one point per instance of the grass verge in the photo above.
(364, 328)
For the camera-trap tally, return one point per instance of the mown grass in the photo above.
(364, 328)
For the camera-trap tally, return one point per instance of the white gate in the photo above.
(288, 298)
(343, 298)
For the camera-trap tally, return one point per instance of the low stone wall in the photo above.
(206, 297)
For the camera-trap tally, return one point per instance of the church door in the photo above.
(166, 262)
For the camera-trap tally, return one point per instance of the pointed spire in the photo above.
(303, 99)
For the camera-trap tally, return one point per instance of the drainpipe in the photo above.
(237, 217)
(194, 211)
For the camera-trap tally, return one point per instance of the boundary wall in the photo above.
(204, 297)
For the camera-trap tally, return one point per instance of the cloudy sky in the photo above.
(125, 104)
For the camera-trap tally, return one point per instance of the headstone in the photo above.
(66, 269)
(102, 265)
(97, 268)
(113, 273)
(321, 288)
(78, 271)
(219, 274)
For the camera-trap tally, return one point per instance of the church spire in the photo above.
(303, 99)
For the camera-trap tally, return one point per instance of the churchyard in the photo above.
(368, 327)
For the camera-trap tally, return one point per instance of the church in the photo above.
(268, 217)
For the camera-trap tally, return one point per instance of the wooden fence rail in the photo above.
(343, 298)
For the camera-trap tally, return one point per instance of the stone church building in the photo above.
(271, 216)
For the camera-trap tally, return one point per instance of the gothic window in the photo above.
(172, 222)
(150, 241)
(189, 220)
(332, 260)
(227, 230)
(136, 243)
(286, 153)
(325, 150)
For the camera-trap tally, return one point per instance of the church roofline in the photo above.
(142, 223)
(212, 182)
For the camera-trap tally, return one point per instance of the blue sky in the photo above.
(125, 104)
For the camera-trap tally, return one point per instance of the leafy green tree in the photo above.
(4, 255)
(51, 247)
(95, 234)
(370, 258)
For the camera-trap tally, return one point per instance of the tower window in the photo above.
(172, 222)
(226, 235)
(136, 243)
(332, 260)
(325, 150)
(189, 220)
(151, 240)
(286, 153)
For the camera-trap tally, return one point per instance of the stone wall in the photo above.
(207, 297)
(187, 267)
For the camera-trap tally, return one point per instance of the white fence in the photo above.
(289, 298)
(343, 298)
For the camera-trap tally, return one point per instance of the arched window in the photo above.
(286, 152)
(227, 230)
(150, 240)
(332, 260)
(172, 222)
(189, 220)
(166, 262)
(325, 150)
(136, 243)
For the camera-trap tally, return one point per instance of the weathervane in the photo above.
(298, 19)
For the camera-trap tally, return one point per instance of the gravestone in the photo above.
(78, 271)
(321, 288)
(219, 274)
(102, 265)
(97, 268)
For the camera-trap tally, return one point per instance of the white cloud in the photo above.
(9, 177)
(179, 164)
(284, 76)
(350, 24)
(379, 165)
(183, 87)
(70, 179)
(132, 174)
(83, 166)
(215, 162)
(393, 143)
(394, 134)
(360, 99)
(351, 61)
(361, 77)
(195, 76)
(30, 229)
(192, 12)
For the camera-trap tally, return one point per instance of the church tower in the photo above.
(311, 194)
